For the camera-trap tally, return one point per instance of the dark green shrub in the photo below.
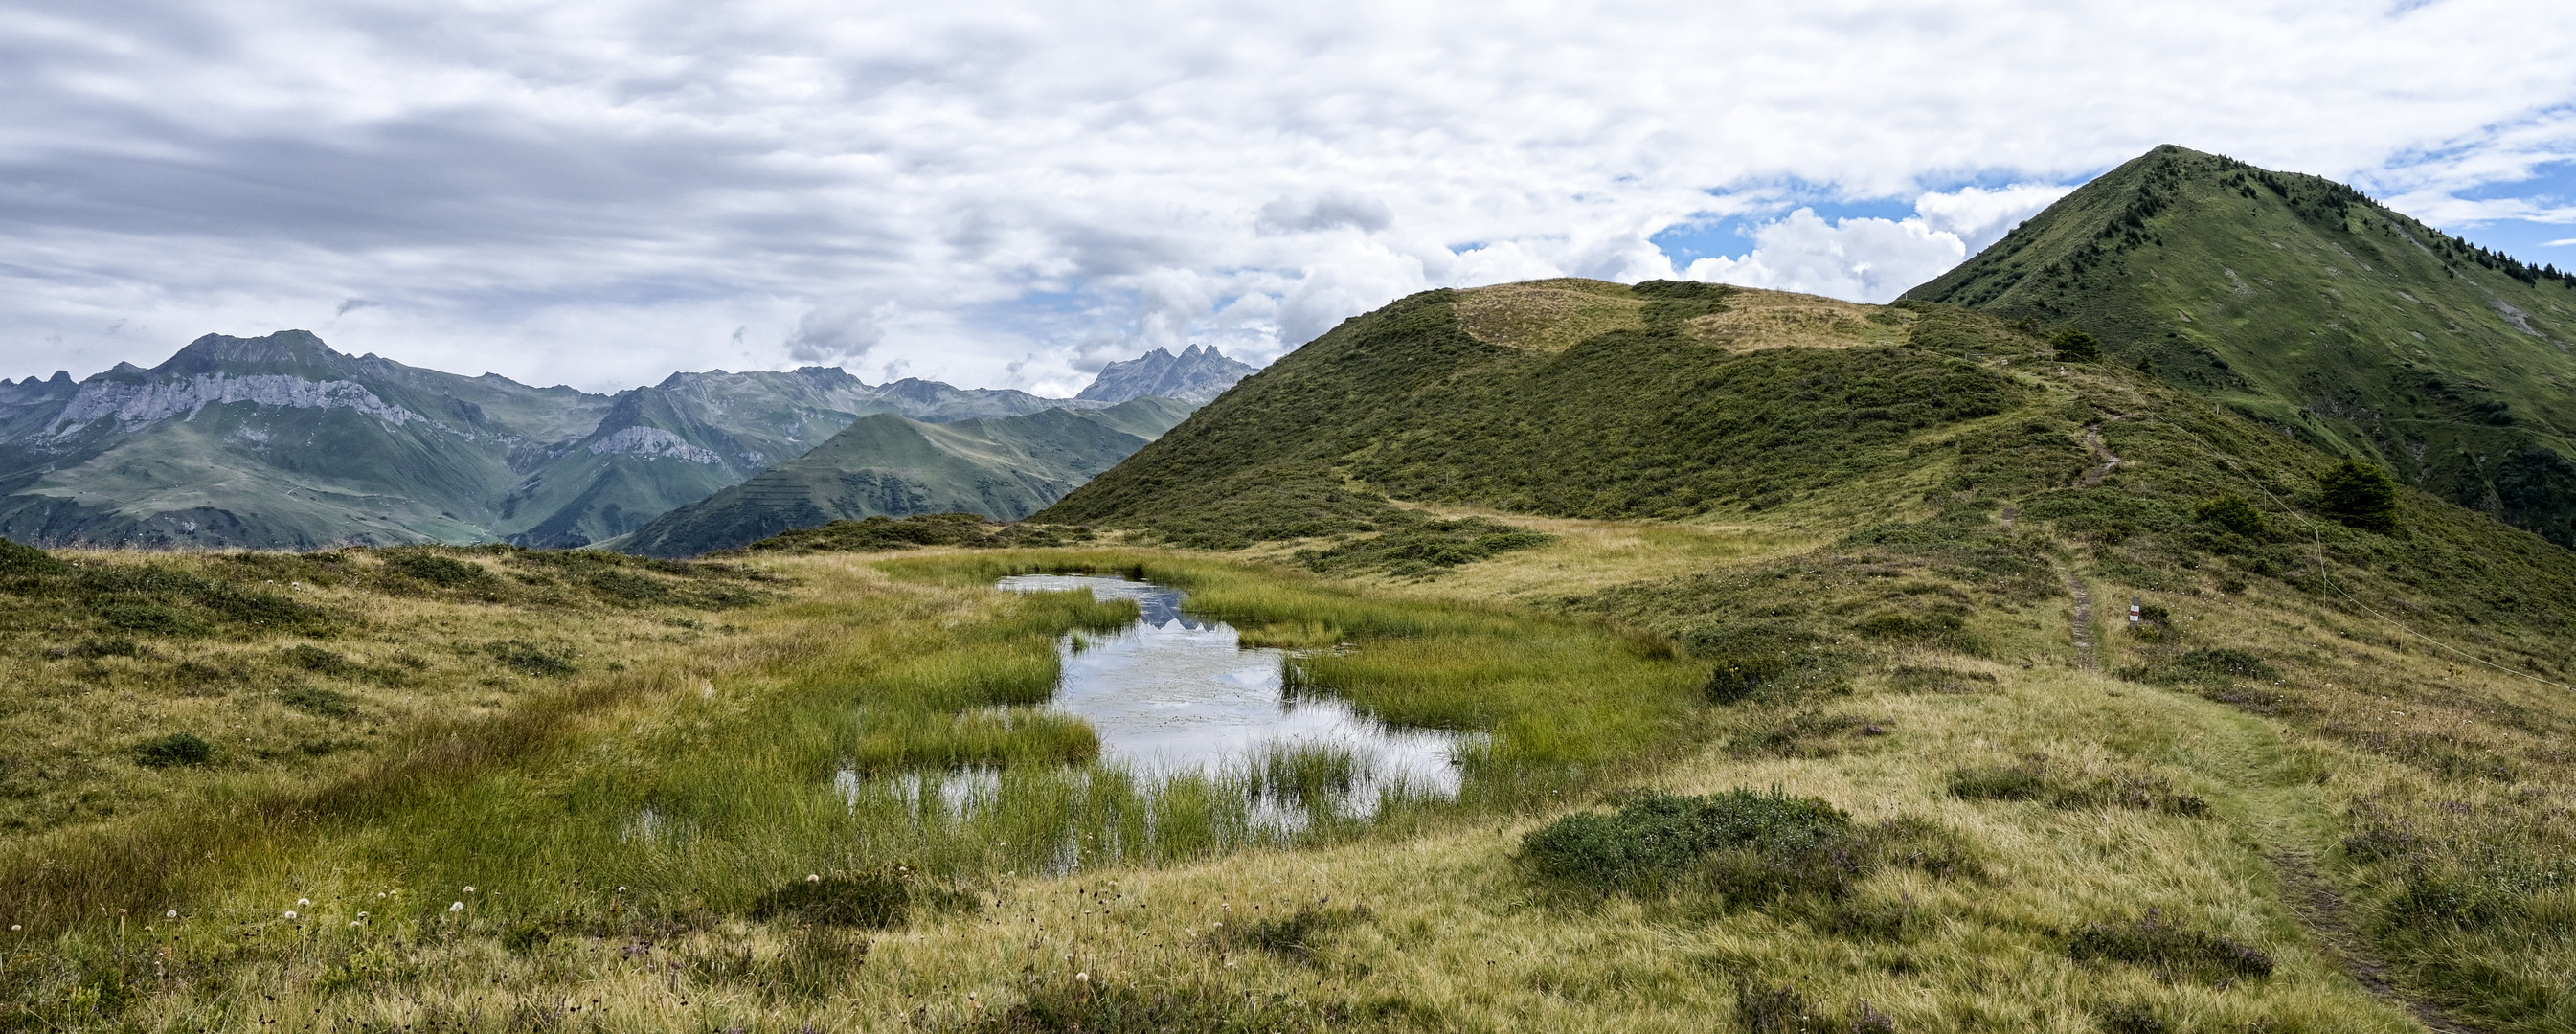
(19, 560)
(437, 570)
(1810, 734)
(876, 900)
(1914, 679)
(1675, 301)
(265, 611)
(1765, 1009)
(2131, 1018)
(2173, 951)
(1295, 936)
(2223, 662)
(2076, 346)
(1736, 679)
(522, 938)
(2234, 513)
(530, 659)
(150, 619)
(2033, 778)
(1657, 837)
(928, 529)
(1427, 549)
(178, 748)
(2026, 780)
(109, 648)
(315, 700)
(315, 659)
(2359, 495)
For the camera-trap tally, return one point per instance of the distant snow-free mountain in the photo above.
(282, 442)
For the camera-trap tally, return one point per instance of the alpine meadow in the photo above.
(2163, 622)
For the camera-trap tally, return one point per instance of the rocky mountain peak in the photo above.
(1198, 374)
(298, 351)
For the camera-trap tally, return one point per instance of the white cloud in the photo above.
(1869, 260)
(1979, 216)
(841, 332)
(600, 191)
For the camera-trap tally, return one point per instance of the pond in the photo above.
(1173, 695)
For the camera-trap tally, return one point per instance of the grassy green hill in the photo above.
(2304, 305)
(887, 465)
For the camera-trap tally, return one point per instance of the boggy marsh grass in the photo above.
(861, 726)
(294, 667)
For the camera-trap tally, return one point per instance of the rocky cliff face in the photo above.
(1197, 375)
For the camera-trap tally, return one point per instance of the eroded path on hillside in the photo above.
(2323, 913)
(2083, 618)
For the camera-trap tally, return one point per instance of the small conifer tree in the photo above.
(2075, 346)
(2360, 495)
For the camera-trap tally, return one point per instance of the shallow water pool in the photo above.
(1172, 694)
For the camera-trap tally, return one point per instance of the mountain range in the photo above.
(282, 442)
(894, 466)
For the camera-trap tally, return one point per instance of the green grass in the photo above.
(887, 745)
(1648, 421)
(2316, 311)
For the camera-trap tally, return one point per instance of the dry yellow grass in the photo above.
(1548, 315)
(1454, 935)
(1757, 319)
(1552, 315)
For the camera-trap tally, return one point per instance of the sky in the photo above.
(600, 192)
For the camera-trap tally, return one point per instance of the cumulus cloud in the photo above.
(1868, 260)
(600, 191)
(1333, 209)
(1979, 216)
(837, 333)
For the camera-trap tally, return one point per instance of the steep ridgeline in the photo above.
(1196, 375)
(887, 465)
(2300, 303)
(282, 442)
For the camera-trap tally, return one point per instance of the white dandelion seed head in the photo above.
(457, 907)
(1083, 977)
(813, 877)
(469, 890)
(304, 902)
(290, 913)
(172, 914)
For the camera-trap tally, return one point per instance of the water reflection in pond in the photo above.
(1172, 695)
